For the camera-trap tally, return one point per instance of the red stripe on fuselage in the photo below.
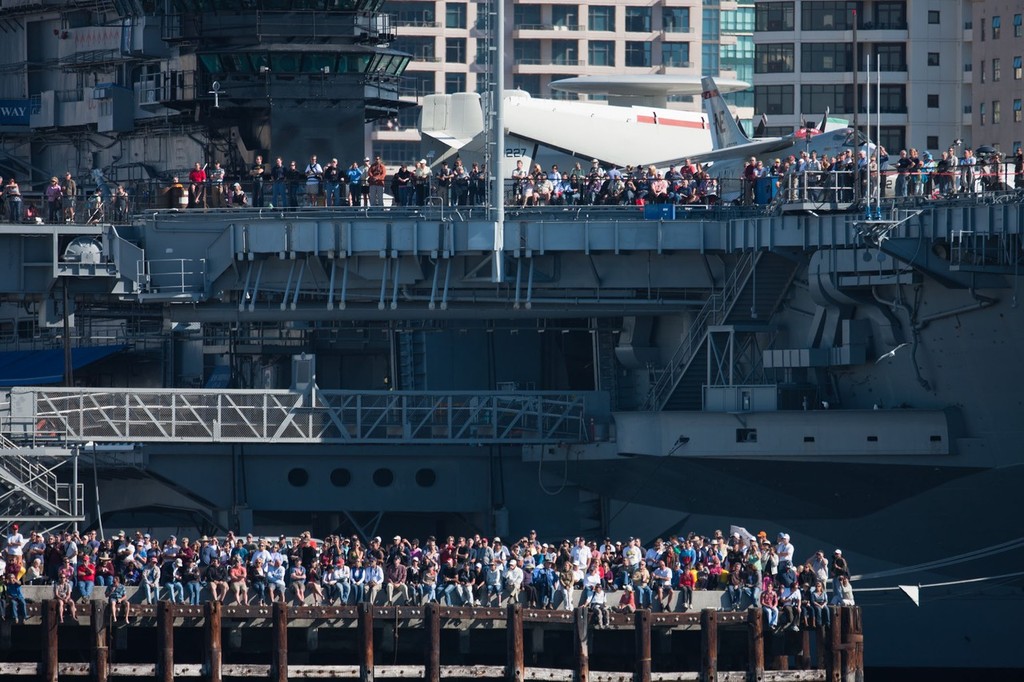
(670, 122)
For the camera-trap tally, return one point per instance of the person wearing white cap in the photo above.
(513, 581)
(839, 569)
(785, 551)
(421, 182)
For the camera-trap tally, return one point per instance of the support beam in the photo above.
(279, 654)
(642, 632)
(364, 641)
(48, 666)
(164, 642)
(432, 654)
(581, 648)
(515, 668)
(213, 658)
(100, 651)
(755, 645)
(709, 645)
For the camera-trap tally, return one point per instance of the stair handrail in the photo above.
(713, 312)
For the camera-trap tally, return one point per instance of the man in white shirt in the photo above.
(15, 541)
(513, 581)
(785, 551)
(789, 604)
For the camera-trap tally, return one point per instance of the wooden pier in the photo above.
(170, 641)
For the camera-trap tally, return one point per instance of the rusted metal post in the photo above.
(213, 655)
(709, 645)
(48, 665)
(834, 660)
(581, 669)
(755, 645)
(847, 646)
(642, 631)
(515, 669)
(364, 641)
(164, 642)
(432, 655)
(100, 651)
(804, 659)
(279, 653)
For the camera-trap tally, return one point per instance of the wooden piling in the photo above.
(432, 655)
(100, 650)
(804, 659)
(755, 645)
(834, 659)
(164, 642)
(858, 644)
(642, 632)
(213, 654)
(581, 648)
(48, 666)
(709, 645)
(279, 652)
(364, 641)
(515, 669)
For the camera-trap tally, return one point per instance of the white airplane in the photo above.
(561, 132)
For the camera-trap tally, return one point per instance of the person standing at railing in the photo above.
(354, 177)
(967, 174)
(332, 184)
(377, 177)
(12, 194)
(902, 173)
(69, 193)
(53, 194)
(215, 176)
(914, 174)
(197, 186)
(421, 182)
(1018, 169)
(278, 178)
(256, 172)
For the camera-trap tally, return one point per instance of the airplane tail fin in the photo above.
(725, 132)
(452, 119)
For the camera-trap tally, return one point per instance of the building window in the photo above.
(774, 16)
(933, 101)
(638, 53)
(997, 69)
(712, 26)
(893, 137)
(933, 59)
(774, 58)
(527, 16)
(675, 54)
(455, 15)
(891, 16)
(982, 31)
(815, 99)
(827, 16)
(932, 142)
(566, 16)
(710, 56)
(420, 47)
(1016, 112)
(454, 82)
(412, 13)
(395, 152)
(893, 56)
(981, 113)
(565, 52)
(526, 51)
(1017, 68)
(1018, 29)
(601, 53)
(826, 57)
(527, 83)
(455, 50)
(638, 19)
(773, 99)
(982, 71)
(739, 20)
(417, 84)
(602, 18)
(933, 16)
(892, 99)
(997, 111)
(997, 27)
(675, 19)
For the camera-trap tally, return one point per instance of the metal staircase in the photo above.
(412, 355)
(34, 485)
(744, 299)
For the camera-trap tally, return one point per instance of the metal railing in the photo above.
(312, 416)
(714, 312)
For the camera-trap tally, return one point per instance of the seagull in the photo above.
(891, 354)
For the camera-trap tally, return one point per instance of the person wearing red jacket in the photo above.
(86, 577)
(197, 186)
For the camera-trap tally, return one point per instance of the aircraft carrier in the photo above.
(852, 381)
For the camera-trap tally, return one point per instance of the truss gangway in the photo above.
(83, 415)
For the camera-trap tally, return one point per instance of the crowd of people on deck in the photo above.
(751, 570)
(802, 176)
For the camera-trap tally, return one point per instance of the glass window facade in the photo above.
(601, 18)
(455, 15)
(826, 58)
(890, 16)
(675, 19)
(638, 19)
(774, 58)
(828, 16)
(675, 54)
(774, 16)
(601, 53)
(638, 53)
(527, 16)
(773, 99)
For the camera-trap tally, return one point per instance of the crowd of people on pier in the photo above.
(751, 570)
(801, 176)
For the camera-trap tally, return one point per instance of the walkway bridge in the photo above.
(78, 416)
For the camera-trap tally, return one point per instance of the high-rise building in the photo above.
(998, 73)
(805, 59)
(549, 40)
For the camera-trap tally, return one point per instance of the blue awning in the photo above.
(41, 367)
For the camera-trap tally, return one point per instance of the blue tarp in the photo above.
(41, 367)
